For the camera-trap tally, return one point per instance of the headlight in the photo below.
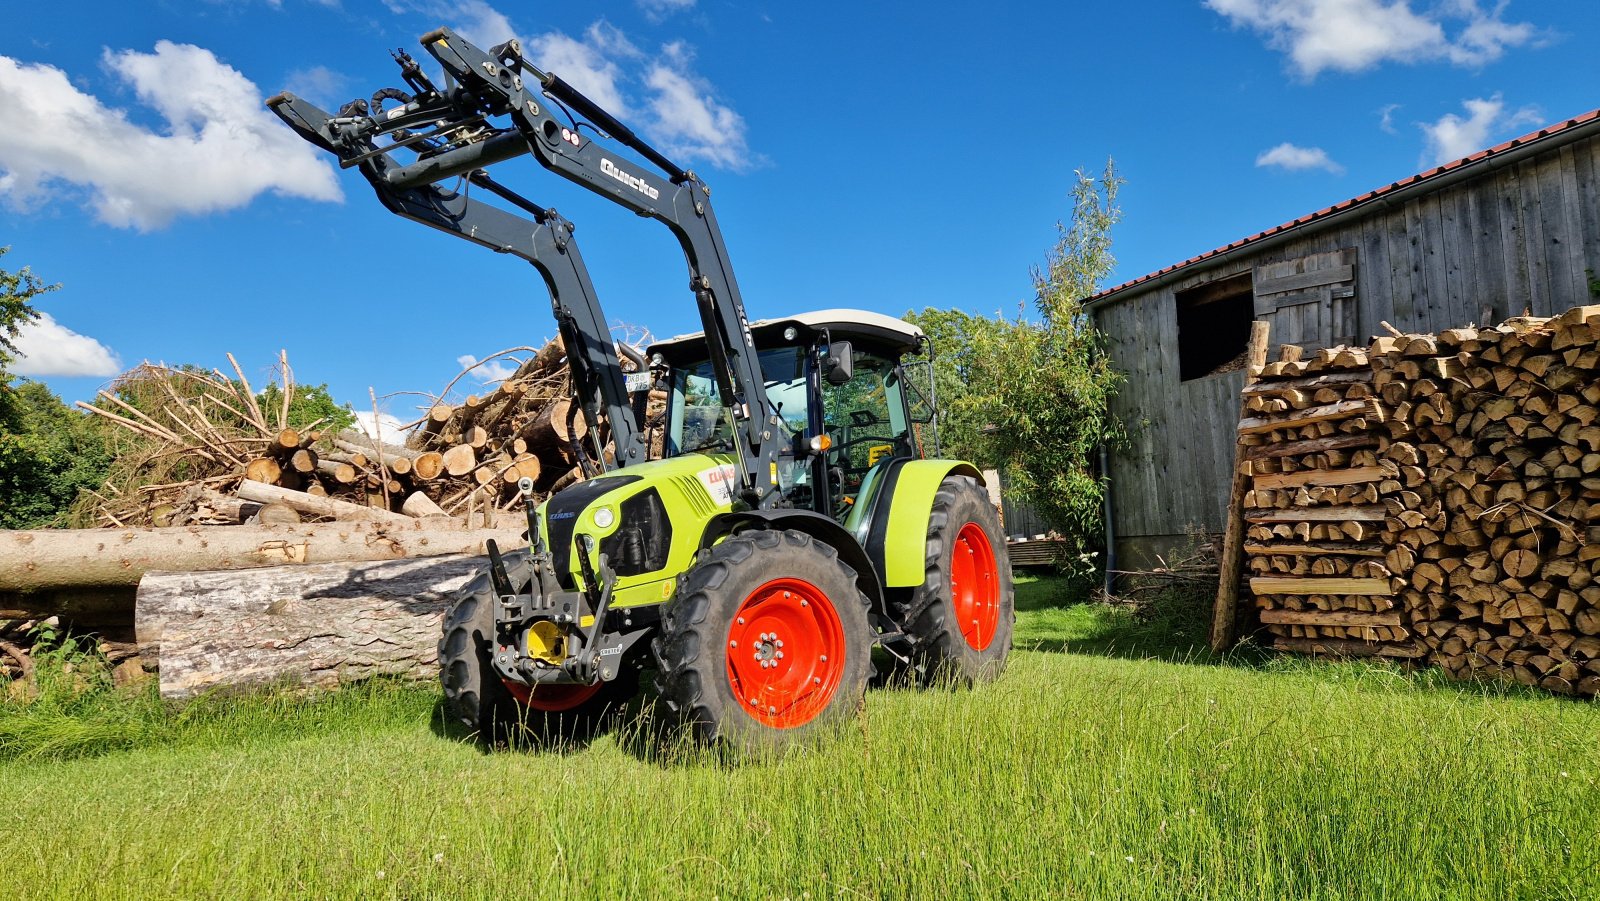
(604, 517)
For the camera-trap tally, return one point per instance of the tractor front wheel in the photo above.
(766, 642)
(496, 710)
(960, 619)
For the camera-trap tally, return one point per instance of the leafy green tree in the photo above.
(48, 453)
(311, 404)
(1031, 396)
(17, 291)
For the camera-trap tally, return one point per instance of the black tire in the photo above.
(693, 649)
(476, 697)
(929, 614)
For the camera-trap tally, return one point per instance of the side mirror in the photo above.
(840, 366)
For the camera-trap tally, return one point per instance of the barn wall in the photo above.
(1518, 237)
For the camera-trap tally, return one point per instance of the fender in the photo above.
(817, 526)
(896, 525)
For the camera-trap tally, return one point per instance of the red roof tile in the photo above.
(1341, 207)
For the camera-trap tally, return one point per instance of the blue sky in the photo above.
(884, 156)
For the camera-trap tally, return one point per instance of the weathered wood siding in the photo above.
(1518, 237)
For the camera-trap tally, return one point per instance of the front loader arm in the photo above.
(503, 83)
(545, 240)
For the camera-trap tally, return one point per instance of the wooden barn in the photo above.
(1511, 228)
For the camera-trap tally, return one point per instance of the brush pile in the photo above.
(206, 449)
(1445, 503)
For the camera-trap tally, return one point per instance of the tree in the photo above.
(311, 404)
(1031, 397)
(48, 453)
(17, 291)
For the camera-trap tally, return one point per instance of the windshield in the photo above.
(699, 422)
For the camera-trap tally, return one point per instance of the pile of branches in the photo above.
(183, 429)
(204, 450)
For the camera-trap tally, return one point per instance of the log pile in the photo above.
(1316, 509)
(1503, 422)
(526, 427)
(212, 451)
(1463, 501)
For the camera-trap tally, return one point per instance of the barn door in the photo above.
(1310, 301)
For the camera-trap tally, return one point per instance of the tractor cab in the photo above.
(847, 401)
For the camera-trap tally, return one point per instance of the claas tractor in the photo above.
(792, 529)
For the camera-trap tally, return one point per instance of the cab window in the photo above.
(866, 419)
(698, 420)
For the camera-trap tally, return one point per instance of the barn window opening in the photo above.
(1214, 326)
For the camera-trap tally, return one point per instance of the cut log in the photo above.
(427, 466)
(1329, 618)
(1272, 585)
(263, 469)
(525, 466)
(1340, 647)
(317, 506)
(1309, 416)
(303, 460)
(557, 425)
(1313, 550)
(318, 625)
(343, 473)
(1313, 446)
(1319, 514)
(62, 558)
(460, 460)
(1325, 477)
(277, 515)
(419, 504)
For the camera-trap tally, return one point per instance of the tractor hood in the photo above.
(646, 520)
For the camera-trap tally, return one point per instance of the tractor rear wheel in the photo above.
(766, 642)
(960, 619)
(496, 710)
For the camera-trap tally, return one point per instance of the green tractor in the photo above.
(790, 521)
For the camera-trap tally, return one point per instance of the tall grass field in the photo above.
(1110, 761)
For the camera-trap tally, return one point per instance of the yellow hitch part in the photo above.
(547, 642)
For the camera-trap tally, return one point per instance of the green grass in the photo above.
(1115, 761)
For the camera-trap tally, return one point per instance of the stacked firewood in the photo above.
(1316, 510)
(1505, 422)
(1455, 517)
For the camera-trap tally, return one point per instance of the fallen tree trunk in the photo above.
(49, 559)
(316, 625)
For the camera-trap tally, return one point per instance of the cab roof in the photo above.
(861, 326)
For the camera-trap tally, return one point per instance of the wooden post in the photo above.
(1230, 565)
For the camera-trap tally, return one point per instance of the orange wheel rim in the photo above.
(786, 653)
(553, 698)
(975, 586)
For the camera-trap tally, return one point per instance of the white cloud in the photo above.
(321, 85)
(589, 64)
(657, 10)
(496, 370)
(676, 107)
(687, 118)
(476, 21)
(46, 347)
(1453, 137)
(220, 147)
(1298, 159)
(1386, 120)
(382, 426)
(1353, 35)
